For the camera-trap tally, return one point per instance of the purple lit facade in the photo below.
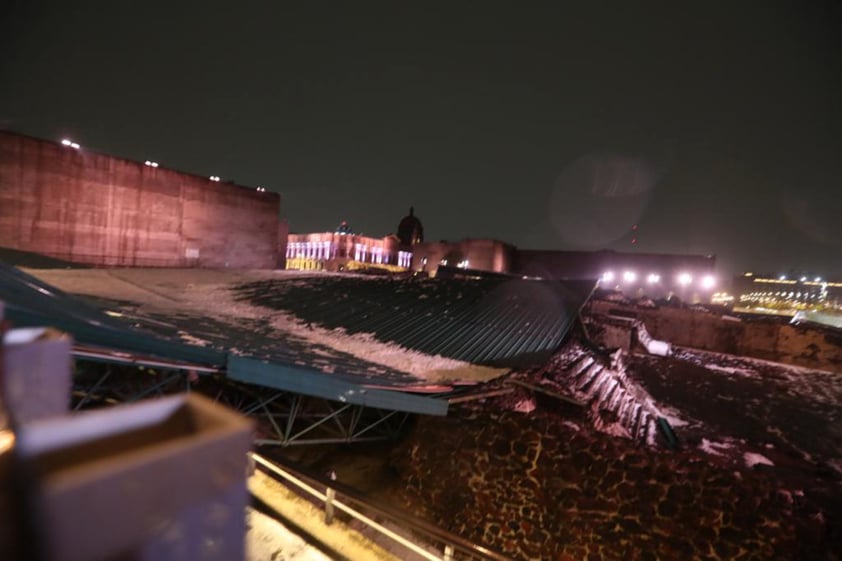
(337, 251)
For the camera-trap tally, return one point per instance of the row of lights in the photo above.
(788, 296)
(75, 145)
(802, 279)
(684, 279)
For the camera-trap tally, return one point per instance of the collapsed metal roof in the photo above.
(497, 322)
(508, 322)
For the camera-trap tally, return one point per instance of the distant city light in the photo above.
(214, 178)
(151, 164)
(629, 276)
(463, 264)
(708, 282)
(685, 279)
(607, 276)
(782, 277)
(803, 279)
(261, 189)
(70, 143)
(653, 278)
(818, 279)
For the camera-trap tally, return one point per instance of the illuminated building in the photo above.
(410, 229)
(785, 296)
(343, 250)
(690, 277)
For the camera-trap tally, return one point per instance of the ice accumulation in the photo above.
(269, 539)
(731, 370)
(208, 293)
(525, 406)
(192, 340)
(753, 459)
(219, 300)
(714, 448)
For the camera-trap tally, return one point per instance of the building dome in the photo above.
(410, 230)
(344, 228)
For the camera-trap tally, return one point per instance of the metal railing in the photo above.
(426, 535)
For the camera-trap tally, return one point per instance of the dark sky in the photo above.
(716, 127)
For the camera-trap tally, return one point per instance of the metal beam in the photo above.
(314, 383)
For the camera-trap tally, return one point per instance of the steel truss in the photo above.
(282, 418)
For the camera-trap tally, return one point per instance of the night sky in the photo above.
(713, 127)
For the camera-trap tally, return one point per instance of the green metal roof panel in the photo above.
(31, 302)
(314, 383)
(493, 321)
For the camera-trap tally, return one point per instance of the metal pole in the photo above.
(330, 495)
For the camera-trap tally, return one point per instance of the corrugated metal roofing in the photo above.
(491, 321)
(494, 322)
(289, 378)
(31, 302)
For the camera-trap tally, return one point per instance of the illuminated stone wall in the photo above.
(764, 338)
(91, 208)
(480, 254)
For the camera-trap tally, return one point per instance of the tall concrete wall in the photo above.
(100, 210)
(766, 339)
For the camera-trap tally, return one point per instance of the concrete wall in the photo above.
(283, 240)
(763, 338)
(97, 209)
(592, 264)
(482, 254)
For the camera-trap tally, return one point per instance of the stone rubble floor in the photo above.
(756, 475)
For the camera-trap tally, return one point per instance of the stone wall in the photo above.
(96, 209)
(764, 338)
(534, 487)
(482, 254)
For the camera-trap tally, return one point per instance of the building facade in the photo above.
(781, 295)
(480, 254)
(63, 201)
(345, 251)
(689, 277)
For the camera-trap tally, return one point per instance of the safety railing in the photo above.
(426, 537)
